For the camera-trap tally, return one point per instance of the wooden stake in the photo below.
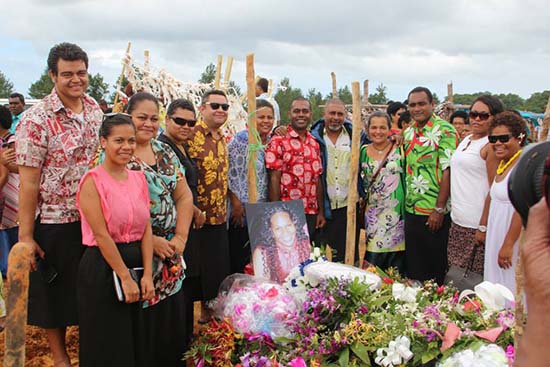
(146, 61)
(120, 79)
(251, 92)
(354, 171)
(227, 76)
(450, 94)
(218, 72)
(334, 90)
(270, 88)
(366, 92)
(545, 123)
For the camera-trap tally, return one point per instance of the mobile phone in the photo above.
(135, 273)
(45, 269)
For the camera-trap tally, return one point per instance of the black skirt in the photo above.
(112, 333)
(53, 305)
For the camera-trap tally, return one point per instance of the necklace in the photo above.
(380, 151)
(502, 167)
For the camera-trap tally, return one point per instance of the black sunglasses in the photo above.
(216, 106)
(182, 122)
(502, 138)
(115, 114)
(482, 115)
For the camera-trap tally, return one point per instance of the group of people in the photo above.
(106, 201)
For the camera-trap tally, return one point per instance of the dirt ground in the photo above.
(37, 351)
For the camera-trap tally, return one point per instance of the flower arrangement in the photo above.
(350, 317)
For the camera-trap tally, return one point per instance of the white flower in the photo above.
(446, 159)
(432, 137)
(408, 134)
(403, 293)
(398, 352)
(419, 184)
(486, 356)
(495, 297)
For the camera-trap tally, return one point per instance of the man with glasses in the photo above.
(55, 143)
(294, 164)
(207, 147)
(429, 143)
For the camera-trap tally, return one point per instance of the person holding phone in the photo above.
(114, 205)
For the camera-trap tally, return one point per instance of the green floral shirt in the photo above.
(428, 151)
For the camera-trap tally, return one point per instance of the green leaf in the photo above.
(361, 351)
(343, 360)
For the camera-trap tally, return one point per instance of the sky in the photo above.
(502, 46)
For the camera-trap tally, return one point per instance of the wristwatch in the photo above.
(439, 210)
(482, 229)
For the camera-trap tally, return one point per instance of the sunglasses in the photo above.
(216, 106)
(482, 115)
(502, 138)
(115, 114)
(182, 122)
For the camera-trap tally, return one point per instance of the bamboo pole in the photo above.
(120, 79)
(227, 76)
(146, 61)
(270, 88)
(251, 93)
(366, 92)
(218, 72)
(545, 123)
(16, 304)
(354, 172)
(334, 90)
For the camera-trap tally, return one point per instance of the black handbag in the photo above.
(464, 278)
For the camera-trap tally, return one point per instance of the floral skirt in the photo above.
(462, 244)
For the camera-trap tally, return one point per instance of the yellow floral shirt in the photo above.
(210, 155)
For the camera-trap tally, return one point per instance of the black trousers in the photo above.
(426, 251)
(214, 258)
(334, 234)
(239, 248)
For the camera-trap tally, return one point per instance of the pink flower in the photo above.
(510, 353)
(440, 289)
(298, 362)
(239, 309)
(387, 280)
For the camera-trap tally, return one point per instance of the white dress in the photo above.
(498, 224)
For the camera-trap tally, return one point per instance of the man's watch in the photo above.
(439, 210)
(482, 229)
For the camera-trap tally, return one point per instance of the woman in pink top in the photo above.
(114, 206)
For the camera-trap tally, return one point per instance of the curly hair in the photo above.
(66, 51)
(271, 210)
(514, 122)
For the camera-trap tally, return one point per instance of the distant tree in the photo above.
(209, 74)
(97, 88)
(344, 94)
(123, 85)
(316, 100)
(436, 98)
(468, 98)
(42, 87)
(6, 86)
(380, 96)
(537, 102)
(285, 95)
(511, 101)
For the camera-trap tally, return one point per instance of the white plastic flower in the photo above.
(419, 184)
(445, 160)
(486, 356)
(432, 137)
(403, 293)
(398, 352)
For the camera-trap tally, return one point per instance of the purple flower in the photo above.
(510, 354)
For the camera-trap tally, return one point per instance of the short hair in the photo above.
(102, 102)
(182, 103)
(117, 119)
(18, 95)
(393, 107)
(208, 93)
(262, 103)
(404, 118)
(493, 103)
(138, 98)
(335, 101)
(461, 114)
(421, 90)
(263, 83)
(5, 118)
(379, 114)
(66, 51)
(300, 99)
(514, 122)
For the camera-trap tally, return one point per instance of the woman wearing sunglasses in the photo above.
(506, 136)
(180, 120)
(473, 166)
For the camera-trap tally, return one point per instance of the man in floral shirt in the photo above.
(55, 142)
(429, 143)
(294, 163)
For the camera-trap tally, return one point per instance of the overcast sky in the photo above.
(498, 45)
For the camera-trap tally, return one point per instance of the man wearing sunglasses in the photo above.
(429, 143)
(208, 149)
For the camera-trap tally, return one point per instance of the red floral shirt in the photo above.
(300, 164)
(62, 144)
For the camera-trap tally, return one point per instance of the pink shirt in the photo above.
(125, 206)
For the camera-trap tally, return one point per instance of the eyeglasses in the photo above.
(182, 122)
(216, 106)
(482, 115)
(115, 114)
(502, 138)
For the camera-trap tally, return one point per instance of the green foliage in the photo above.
(209, 74)
(511, 101)
(6, 86)
(537, 102)
(285, 97)
(345, 95)
(316, 100)
(97, 88)
(123, 85)
(436, 98)
(42, 87)
(380, 96)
